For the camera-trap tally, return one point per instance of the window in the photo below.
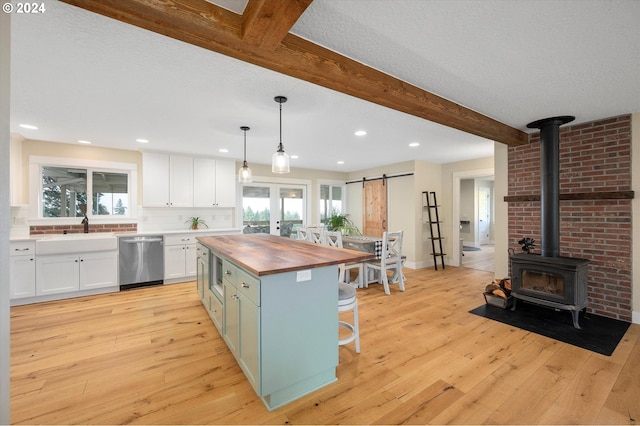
(63, 189)
(331, 200)
(65, 192)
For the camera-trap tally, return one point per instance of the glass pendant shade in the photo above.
(244, 174)
(280, 159)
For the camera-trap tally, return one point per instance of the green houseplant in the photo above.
(343, 223)
(196, 222)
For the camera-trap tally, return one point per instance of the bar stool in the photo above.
(347, 301)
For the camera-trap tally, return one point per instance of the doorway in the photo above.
(472, 220)
(276, 209)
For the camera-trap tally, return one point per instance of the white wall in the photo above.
(501, 211)
(5, 196)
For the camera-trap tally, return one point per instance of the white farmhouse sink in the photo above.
(76, 243)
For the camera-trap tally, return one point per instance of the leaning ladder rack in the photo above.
(436, 238)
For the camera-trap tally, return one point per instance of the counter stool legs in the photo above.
(347, 301)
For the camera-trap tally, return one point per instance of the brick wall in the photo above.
(76, 229)
(594, 157)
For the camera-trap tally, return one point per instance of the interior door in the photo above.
(374, 207)
(484, 215)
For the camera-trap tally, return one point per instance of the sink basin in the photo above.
(90, 236)
(76, 243)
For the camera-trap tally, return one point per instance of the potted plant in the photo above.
(196, 222)
(343, 223)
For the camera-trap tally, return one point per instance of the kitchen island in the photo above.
(279, 302)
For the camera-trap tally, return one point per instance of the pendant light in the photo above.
(280, 160)
(244, 174)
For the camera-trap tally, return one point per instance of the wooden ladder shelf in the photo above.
(431, 205)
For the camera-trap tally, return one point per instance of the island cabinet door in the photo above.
(230, 323)
(249, 330)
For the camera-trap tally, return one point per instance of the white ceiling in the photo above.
(81, 76)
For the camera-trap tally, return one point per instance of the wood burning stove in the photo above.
(556, 282)
(549, 279)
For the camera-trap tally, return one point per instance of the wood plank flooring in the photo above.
(152, 356)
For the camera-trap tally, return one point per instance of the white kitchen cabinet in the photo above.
(214, 183)
(181, 181)
(167, 180)
(98, 270)
(74, 272)
(22, 267)
(179, 257)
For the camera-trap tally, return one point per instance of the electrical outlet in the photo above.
(303, 275)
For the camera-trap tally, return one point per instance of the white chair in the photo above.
(316, 235)
(390, 260)
(334, 239)
(347, 301)
(302, 234)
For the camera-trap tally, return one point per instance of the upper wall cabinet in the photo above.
(167, 180)
(183, 181)
(214, 183)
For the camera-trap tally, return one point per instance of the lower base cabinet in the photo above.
(72, 272)
(282, 330)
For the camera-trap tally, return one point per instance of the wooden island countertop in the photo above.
(264, 254)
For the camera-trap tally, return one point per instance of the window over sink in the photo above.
(69, 188)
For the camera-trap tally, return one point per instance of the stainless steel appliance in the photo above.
(141, 261)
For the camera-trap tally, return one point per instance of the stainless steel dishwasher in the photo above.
(141, 261)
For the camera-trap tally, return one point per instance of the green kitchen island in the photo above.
(274, 301)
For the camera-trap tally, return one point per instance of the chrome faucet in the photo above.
(85, 222)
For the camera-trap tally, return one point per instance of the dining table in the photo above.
(368, 244)
(365, 243)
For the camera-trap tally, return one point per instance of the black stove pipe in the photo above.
(550, 182)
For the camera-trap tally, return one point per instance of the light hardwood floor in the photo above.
(152, 356)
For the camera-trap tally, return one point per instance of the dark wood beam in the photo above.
(211, 27)
(266, 22)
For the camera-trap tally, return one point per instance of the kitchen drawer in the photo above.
(22, 248)
(179, 239)
(202, 252)
(249, 286)
(229, 272)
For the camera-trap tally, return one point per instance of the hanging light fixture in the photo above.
(244, 174)
(280, 160)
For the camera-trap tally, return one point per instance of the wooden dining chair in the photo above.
(334, 239)
(316, 235)
(390, 260)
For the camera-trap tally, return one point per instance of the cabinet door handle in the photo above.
(245, 285)
(21, 249)
(227, 272)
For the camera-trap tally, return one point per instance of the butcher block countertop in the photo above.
(264, 254)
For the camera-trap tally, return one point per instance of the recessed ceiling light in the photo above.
(414, 144)
(340, 162)
(85, 142)
(29, 126)
(360, 132)
(294, 156)
(142, 140)
(223, 150)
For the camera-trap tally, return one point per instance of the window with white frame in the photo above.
(71, 189)
(331, 201)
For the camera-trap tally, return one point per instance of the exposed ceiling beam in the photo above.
(266, 22)
(203, 24)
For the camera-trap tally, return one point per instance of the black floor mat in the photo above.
(598, 334)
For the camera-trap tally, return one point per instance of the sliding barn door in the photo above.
(375, 207)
